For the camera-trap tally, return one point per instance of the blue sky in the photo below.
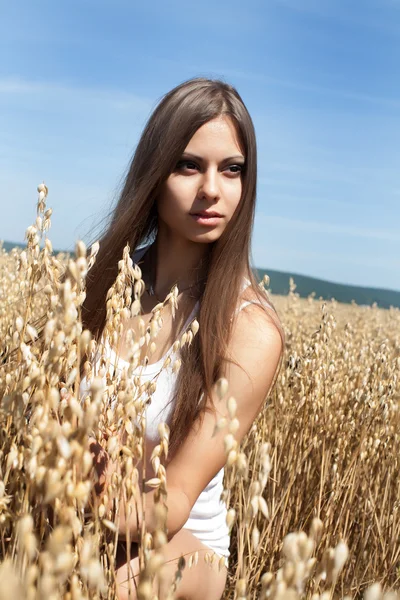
(321, 79)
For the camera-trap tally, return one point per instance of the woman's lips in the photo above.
(202, 220)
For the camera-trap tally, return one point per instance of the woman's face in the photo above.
(206, 178)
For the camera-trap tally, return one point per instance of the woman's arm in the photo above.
(177, 501)
(256, 346)
(178, 512)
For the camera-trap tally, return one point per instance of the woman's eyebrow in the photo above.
(199, 158)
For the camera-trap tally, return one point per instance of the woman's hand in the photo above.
(104, 467)
(101, 463)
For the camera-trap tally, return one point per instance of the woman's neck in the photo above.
(177, 261)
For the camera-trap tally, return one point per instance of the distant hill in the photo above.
(279, 284)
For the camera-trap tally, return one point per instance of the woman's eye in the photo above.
(188, 163)
(239, 167)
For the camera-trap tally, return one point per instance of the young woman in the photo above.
(187, 209)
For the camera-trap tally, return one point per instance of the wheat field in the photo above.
(313, 491)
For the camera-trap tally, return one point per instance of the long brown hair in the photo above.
(134, 221)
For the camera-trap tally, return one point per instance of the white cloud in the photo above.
(226, 72)
(115, 98)
(311, 87)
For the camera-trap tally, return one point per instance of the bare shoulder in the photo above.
(256, 310)
(250, 294)
(255, 326)
(255, 350)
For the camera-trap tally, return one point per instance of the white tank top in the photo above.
(207, 517)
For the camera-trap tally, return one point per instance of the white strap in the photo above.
(247, 302)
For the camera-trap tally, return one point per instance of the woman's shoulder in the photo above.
(249, 295)
(252, 304)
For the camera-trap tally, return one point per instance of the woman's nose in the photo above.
(209, 186)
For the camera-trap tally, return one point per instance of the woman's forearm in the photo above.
(131, 520)
(178, 504)
(178, 510)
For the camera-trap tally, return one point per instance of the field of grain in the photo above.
(313, 491)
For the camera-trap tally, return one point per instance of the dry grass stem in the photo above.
(312, 491)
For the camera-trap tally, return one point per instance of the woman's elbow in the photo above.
(179, 507)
